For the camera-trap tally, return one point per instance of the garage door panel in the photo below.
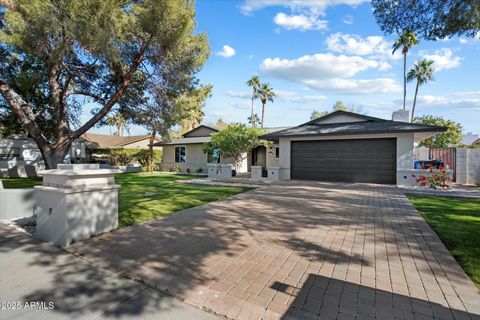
(359, 160)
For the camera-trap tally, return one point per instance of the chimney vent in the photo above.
(401, 115)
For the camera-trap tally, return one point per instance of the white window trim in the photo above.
(277, 147)
(175, 153)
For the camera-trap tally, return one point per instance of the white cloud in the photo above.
(320, 65)
(348, 19)
(331, 73)
(443, 59)
(282, 95)
(463, 41)
(317, 7)
(239, 94)
(469, 99)
(226, 52)
(299, 22)
(293, 97)
(373, 46)
(241, 105)
(355, 86)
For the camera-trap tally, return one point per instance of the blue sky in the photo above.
(314, 53)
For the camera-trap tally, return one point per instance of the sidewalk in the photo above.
(35, 271)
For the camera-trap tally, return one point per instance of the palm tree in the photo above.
(406, 41)
(254, 82)
(118, 121)
(422, 71)
(254, 120)
(265, 93)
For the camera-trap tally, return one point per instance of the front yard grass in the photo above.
(21, 183)
(145, 196)
(457, 223)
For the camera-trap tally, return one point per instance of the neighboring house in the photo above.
(476, 142)
(470, 139)
(108, 141)
(19, 157)
(83, 149)
(186, 154)
(350, 147)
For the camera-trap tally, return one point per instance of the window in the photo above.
(213, 156)
(180, 155)
(277, 152)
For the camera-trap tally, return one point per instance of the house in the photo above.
(186, 154)
(470, 139)
(83, 149)
(349, 147)
(96, 140)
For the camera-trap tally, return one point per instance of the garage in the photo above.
(353, 160)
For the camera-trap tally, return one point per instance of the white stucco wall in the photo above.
(405, 143)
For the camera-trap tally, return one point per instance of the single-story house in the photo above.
(186, 153)
(97, 140)
(350, 147)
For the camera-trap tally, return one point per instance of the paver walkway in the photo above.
(39, 273)
(299, 251)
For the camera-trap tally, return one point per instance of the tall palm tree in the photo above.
(406, 41)
(265, 93)
(118, 121)
(253, 82)
(422, 71)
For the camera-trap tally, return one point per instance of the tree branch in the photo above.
(24, 113)
(118, 94)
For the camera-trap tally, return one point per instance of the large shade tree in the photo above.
(111, 53)
(422, 72)
(406, 41)
(430, 19)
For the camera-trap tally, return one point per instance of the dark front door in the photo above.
(355, 160)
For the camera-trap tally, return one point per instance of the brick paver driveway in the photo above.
(299, 250)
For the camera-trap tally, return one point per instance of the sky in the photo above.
(316, 52)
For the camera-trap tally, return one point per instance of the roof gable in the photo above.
(341, 117)
(109, 141)
(200, 131)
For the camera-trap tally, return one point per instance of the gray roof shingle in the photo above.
(348, 128)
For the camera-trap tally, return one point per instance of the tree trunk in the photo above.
(251, 115)
(415, 100)
(404, 78)
(263, 112)
(150, 156)
(54, 155)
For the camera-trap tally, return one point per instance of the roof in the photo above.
(200, 126)
(340, 112)
(370, 125)
(181, 141)
(97, 140)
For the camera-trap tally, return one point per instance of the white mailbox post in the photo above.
(76, 202)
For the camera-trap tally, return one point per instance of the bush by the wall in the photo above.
(124, 156)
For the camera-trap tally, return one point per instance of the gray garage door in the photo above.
(359, 160)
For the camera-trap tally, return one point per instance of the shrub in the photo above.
(437, 178)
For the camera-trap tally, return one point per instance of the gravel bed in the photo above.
(27, 224)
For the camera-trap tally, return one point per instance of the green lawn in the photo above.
(457, 223)
(146, 196)
(21, 183)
